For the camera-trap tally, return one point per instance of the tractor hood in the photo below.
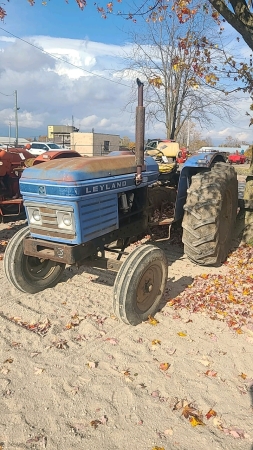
(76, 170)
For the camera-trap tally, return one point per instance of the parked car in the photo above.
(37, 148)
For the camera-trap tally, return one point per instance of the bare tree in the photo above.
(231, 141)
(181, 82)
(190, 137)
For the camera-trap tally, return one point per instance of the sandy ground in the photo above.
(73, 377)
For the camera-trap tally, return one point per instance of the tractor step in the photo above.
(168, 221)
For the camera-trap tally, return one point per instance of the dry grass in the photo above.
(242, 169)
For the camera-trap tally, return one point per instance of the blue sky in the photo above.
(59, 19)
(51, 91)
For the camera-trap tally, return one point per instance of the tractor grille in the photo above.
(49, 226)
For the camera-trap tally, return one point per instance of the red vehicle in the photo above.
(12, 164)
(182, 155)
(237, 158)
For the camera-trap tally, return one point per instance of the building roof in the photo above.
(6, 140)
(224, 149)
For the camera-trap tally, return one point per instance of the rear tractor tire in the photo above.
(27, 273)
(210, 215)
(140, 284)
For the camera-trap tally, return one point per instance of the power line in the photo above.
(63, 60)
(7, 95)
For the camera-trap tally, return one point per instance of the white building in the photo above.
(224, 149)
(6, 141)
(94, 144)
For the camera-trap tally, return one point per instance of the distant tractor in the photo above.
(12, 163)
(80, 208)
(237, 158)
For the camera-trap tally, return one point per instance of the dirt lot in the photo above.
(73, 377)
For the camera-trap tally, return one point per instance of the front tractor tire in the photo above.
(140, 284)
(27, 273)
(210, 215)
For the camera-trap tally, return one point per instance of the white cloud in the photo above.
(51, 89)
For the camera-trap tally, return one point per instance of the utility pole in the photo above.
(188, 134)
(9, 133)
(16, 116)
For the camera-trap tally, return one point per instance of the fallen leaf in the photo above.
(239, 331)
(242, 389)
(195, 421)
(78, 427)
(158, 448)
(61, 344)
(92, 364)
(211, 413)
(155, 394)
(112, 341)
(38, 370)
(169, 432)
(213, 337)
(189, 411)
(205, 362)
(178, 404)
(164, 366)
(141, 386)
(16, 345)
(129, 379)
(33, 354)
(210, 373)
(104, 420)
(243, 375)
(9, 360)
(41, 439)
(152, 321)
(95, 423)
(75, 390)
(237, 433)
(171, 351)
(181, 334)
(156, 342)
(218, 422)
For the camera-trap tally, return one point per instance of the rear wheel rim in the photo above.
(36, 269)
(149, 287)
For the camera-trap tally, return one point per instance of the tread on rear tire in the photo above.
(210, 215)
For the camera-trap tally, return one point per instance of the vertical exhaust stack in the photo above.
(139, 133)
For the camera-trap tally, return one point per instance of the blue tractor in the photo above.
(77, 207)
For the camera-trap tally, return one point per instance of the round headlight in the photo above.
(36, 215)
(67, 220)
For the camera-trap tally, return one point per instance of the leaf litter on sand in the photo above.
(227, 298)
(189, 412)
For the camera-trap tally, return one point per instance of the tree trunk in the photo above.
(248, 214)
